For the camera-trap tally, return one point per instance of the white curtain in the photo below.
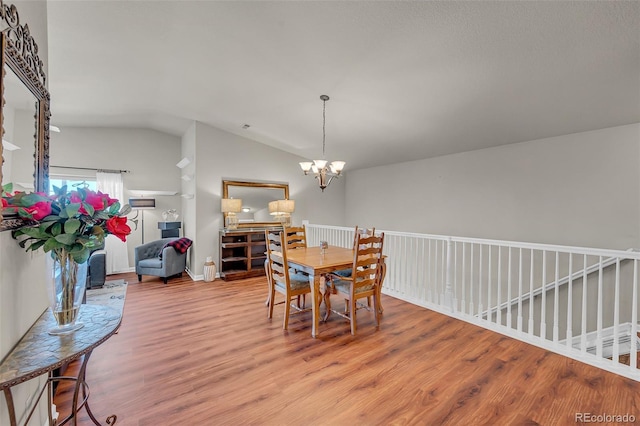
(117, 253)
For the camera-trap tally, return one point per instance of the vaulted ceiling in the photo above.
(407, 80)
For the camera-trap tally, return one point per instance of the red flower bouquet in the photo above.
(74, 222)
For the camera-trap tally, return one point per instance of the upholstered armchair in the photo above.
(148, 261)
(97, 270)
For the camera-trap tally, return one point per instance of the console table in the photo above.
(39, 353)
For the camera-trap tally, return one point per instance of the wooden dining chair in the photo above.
(365, 279)
(363, 232)
(296, 237)
(281, 279)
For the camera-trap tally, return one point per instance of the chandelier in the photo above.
(323, 172)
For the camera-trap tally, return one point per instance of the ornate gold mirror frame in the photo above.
(262, 191)
(19, 53)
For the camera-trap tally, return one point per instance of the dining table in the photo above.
(317, 262)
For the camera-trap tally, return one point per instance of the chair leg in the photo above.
(327, 303)
(376, 307)
(272, 298)
(352, 315)
(287, 309)
(301, 297)
(139, 278)
(267, 271)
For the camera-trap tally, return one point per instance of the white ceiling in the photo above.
(407, 80)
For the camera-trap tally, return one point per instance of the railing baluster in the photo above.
(464, 278)
(489, 285)
(499, 289)
(633, 364)
(531, 301)
(443, 274)
(421, 277)
(583, 332)
(616, 315)
(471, 286)
(480, 282)
(429, 298)
(599, 326)
(543, 309)
(570, 304)
(520, 290)
(556, 300)
(455, 276)
(509, 290)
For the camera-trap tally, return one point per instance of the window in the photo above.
(72, 182)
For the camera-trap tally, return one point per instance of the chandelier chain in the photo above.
(324, 107)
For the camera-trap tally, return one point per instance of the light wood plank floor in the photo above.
(196, 353)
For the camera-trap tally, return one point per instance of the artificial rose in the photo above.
(5, 204)
(118, 227)
(107, 200)
(39, 210)
(95, 200)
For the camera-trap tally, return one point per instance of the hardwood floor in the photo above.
(196, 353)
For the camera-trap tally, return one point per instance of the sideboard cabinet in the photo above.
(242, 253)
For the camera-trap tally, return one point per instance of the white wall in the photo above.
(581, 189)
(22, 290)
(148, 155)
(190, 224)
(221, 155)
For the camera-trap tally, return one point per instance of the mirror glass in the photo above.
(255, 198)
(19, 140)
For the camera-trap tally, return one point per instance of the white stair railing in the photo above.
(576, 301)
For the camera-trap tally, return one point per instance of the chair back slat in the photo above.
(295, 237)
(363, 232)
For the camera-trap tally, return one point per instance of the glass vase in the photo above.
(66, 287)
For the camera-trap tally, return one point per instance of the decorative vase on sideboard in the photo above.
(66, 284)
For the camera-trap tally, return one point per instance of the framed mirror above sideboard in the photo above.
(255, 198)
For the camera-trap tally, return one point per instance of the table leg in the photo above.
(316, 299)
(12, 411)
(77, 404)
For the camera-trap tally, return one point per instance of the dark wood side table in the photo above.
(39, 353)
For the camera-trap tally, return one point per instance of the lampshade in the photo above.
(142, 203)
(231, 205)
(273, 208)
(286, 206)
(280, 207)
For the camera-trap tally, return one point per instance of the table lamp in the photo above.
(231, 206)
